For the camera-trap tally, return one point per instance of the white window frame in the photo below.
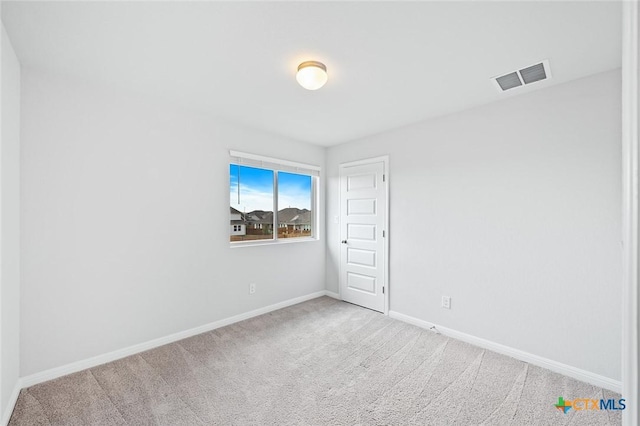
(278, 165)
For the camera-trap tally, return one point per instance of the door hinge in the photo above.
(384, 178)
(384, 234)
(382, 290)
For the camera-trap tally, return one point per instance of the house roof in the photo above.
(294, 216)
(259, 216)
(290, 216)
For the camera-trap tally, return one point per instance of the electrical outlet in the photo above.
(446, 302)
(252, 288)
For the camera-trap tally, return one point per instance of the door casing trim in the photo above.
(630, 210)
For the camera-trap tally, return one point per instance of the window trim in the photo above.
(261, 161)
(279, 165)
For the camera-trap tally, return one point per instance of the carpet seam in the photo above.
(392, 385)
(351, 333)
(187, 405)
(499, 407)
(108, 396)
(195, 358)
(439, 393)
(41, 406)
(378, 345)
(438, 361)
(473, 383)
(382, 347)
(524, 383)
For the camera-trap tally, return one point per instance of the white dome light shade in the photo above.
(312, 75)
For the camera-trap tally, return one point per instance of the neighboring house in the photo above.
(237, 223)
(292, 219)
(259, 221)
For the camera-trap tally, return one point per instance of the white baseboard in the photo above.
(74, 367)
(332, 295)
(557, 367)
(6, 415)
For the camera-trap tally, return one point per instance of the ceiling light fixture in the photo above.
(312, 75)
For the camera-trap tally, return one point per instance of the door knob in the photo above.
(344, 241)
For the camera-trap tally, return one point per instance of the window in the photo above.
(271, 200)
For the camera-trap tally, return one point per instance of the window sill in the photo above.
(256, 243)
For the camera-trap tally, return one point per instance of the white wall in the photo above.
(9, 228)
(126, 223)
(513, 210)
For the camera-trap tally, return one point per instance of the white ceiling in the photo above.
(389, 63)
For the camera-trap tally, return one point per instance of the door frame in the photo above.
(385, 258)
(630, 210)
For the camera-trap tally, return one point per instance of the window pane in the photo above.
(295, 217)
(251, 200)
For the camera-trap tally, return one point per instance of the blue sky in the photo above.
(256, 189)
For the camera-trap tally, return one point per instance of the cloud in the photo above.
(294, 198)
(250, 198)
(255, 199)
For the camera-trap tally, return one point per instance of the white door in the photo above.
(363, 210)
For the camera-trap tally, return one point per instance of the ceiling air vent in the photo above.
(527, 75)
(509, 81)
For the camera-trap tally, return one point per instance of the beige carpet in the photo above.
(321, 362)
